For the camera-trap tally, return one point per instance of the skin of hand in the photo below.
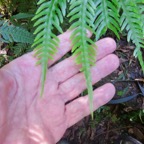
(26, 118)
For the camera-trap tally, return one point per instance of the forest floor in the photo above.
(121, 123)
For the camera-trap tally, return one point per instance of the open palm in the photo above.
(31, 119)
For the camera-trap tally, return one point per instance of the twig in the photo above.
(117, 129)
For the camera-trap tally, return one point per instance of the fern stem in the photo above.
(46, 41)
(85, 61)
(82, 13)
(49, 15)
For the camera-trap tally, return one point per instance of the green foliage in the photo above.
(123, 92)
(16, 28)
(17, 6)
(82, 13)
(20, 16)
(10, 33)
(97, 16)
(19, 49)
(140, 4)
(131, 20)
(23, 20)
(107, 17)
(49, 16)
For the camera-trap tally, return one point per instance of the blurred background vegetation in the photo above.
(19, 14)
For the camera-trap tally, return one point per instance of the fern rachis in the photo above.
(82, 12)
(48, 16)
(107, 17)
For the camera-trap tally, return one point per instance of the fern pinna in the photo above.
(49, 16)
(131, 20)
(10, 33)
(82, 12)
(107, 17)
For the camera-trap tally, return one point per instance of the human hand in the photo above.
(28, 119)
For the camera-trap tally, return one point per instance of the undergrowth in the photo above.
(16, 28)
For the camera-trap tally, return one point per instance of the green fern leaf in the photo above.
(82, 14)
(107, 17)
(131, 21)
(140, 9)
(140, 6)
(19, 49)
(48, 16)
(140, 58)
(22, 16)
(11, 33)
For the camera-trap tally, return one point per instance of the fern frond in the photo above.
(107, 17)
(140, 9)
(48, 16)
(82, 14)
(11, 33)
(131, 21)
(140, 6)
(140, 58)
(20, 48)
